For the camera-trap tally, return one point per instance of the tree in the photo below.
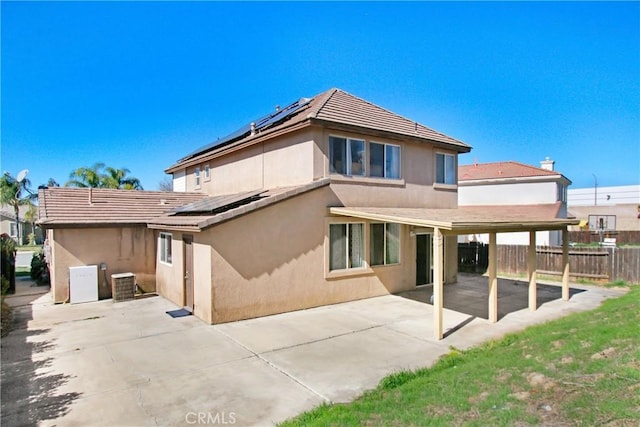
(101, 176)
(31, 216)
(86, 177)
(12, 193)
(117, 178)
(52, 183)
(166, 184)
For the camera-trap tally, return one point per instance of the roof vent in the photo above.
(277, 108)
(253, 128)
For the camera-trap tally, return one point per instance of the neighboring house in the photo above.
(604, 196)
(8, 224)
(513, 183)
(613, 208)
(326, 200)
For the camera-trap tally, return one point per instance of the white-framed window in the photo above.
(562, 193)
(385, 243)
(346, 246)
(13, 229)
(207, 173)
(384, 160)
(166, 240)
(445, 168)
(197, 175)
(347, 156)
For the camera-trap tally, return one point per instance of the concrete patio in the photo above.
(130, 363)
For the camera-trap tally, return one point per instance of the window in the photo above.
(385, 243)
(207, 173)
(13, 229)
(346, 246)
(346, 156)
(384, 160)
(165, 248)
(197, 174)
(562, 193)
(445, 168)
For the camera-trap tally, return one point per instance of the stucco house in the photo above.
(9, 226)
(514, 183)
(326, 200)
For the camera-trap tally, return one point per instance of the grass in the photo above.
(583, 369)
(23, 271)
(31, 248)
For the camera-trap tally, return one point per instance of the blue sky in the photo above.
(139, 85)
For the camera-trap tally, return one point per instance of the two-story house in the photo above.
(514, 183)
(326, 200)
(280, 249)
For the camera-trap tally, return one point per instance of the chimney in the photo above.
(547, 164)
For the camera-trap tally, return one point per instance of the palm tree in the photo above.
(12, 193)
(31, 216)
(117, 178)
(101, 176)
(86, 177)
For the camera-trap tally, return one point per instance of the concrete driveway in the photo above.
(130, 364)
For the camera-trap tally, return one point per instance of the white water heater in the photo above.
(83, 284)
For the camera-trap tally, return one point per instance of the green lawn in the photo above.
(583, 369)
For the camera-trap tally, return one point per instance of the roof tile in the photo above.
(501, 170)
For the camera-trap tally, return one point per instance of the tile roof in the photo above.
(336, 107)
(102, 207)
(173, 220)
(501, 170)
(468, 218)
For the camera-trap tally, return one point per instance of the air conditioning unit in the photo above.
(123, 286)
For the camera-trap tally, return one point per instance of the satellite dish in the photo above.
(22, 175)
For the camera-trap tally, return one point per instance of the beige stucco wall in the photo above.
(280, 162)
(274, 260)
(414, 189)
(170, 277)
(302, 156)
(123, 249)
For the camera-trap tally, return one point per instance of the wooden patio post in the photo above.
(565, 264)
(493, 278)
(438, 270)
(532, 268)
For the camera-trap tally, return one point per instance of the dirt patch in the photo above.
(557, 344)
(604, 354)
(521, 395)
(479, 398)
(503, 376)
(566, 360)
(538, 380)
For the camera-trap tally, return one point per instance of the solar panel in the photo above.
(260, 124)
(217, 204)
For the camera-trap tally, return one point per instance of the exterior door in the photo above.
(424, 259)
(188, 272)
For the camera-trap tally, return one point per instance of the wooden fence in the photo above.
(599, 263)
(622, 237)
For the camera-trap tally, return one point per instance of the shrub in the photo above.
(39, 270)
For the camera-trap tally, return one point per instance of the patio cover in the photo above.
(477, 219)
(469, 219)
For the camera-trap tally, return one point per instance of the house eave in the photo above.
(512, 180)
(459, 147)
